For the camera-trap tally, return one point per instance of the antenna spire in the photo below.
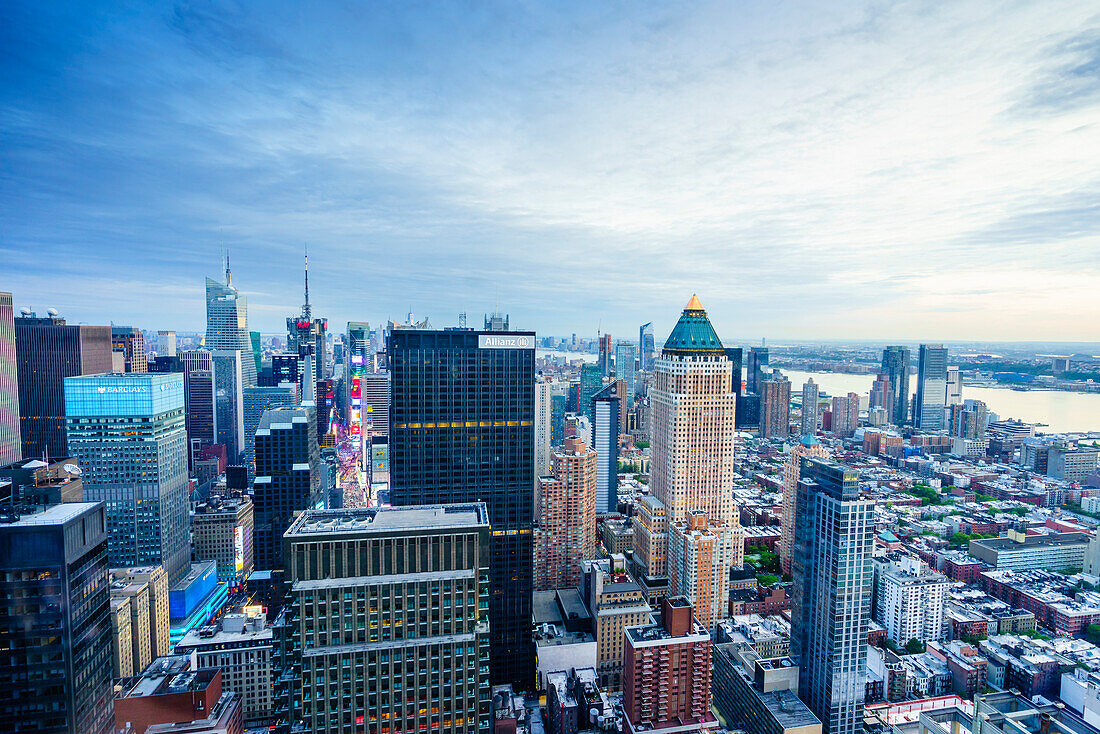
(228, 274)
(305, 308)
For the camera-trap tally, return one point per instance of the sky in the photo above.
(893, 170)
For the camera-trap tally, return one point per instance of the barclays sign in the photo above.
(105, 389)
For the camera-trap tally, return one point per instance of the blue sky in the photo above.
(819, 170)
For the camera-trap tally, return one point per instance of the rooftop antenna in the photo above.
(228, 275)
(305, 308)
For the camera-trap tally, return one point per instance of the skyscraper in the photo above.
(542, 428)
(624, 370)
(809, 407)
(256, 401)
(646, 349)
(606, 356)
(229, 384)
(166, 344)
(376, 402)
(775, 406)
(882, 396)
(420, 575)
(931, 387)
(10, 449)
(127, 433)
(755, 369)
(305, 337)
(807, 446)
(227, 323)
(55, 662)
(47, 351)
(895, 365)
(566, 533)
(845, 410)
(288, 479)
(591, 383)
(200, 411)
(831, 599)
(357, 355)
(954, 386)
(130, 342)
(605, 441)
(699, 562)
(462, 430)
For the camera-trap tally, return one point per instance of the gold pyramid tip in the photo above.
(694, 304)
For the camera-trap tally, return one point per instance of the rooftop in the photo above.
(52, 515)
(416, 517)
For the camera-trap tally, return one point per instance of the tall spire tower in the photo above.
(306, 313)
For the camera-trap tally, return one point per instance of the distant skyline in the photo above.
(856, 171)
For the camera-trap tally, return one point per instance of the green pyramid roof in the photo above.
(693, 334)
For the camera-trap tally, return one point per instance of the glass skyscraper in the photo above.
(605, 441)
(646, 349)
(895, 365)
(462, 430)
(831, 594)
(229, 382)
(591, 383)
(931, 400)
(227, 323)
(624, 370)
(127, 432)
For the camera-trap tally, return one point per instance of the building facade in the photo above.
(11, 449)
(605, 440)
(256, 401)
(810, 396)
(931, 397)
(542, 429)
(845, 411)
(227, 323)
(775, 406)
(895, 365)
(792, 472)
(566, 533)
(909, 599)
(699, 560)
(222, 530)
(127, 432)
(149, 584)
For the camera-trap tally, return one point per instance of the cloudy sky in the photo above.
(885, 170)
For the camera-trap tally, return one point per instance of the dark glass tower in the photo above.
(462, 430)
(55, 604)
(47, 351)
(895, 365)
(831, 594)
(756, 366)
(931, 403)
(10, 449)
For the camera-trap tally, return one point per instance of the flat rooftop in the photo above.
(416, 517)
(52, 515)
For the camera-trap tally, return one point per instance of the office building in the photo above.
(607, 405)
(10, 443)
(646, 348)
(257, 400)
(47, 351)
(222, 530)
(229, 384)
(409, 587)
(775, 406)
(195, 600)
(122, 643)
(747, 412)
(699, 560)
(376, 402)
(614, 601)
(624, 370)
(607, 366)
(305, 337)
(227, 324)
(809, 408)
(130, 343)
(758, 692)
(357, 363)
(55, 669)
(131, 626)
(909, 599)
(591, 383)
(241, 646)
(166, 344)
(895, 365)
(285, 368)
(845, 412)
(1018, 551)
(200, 413)
(470, 437)
(542, 429)
(756, 369)
(127, 433)
(651, 537)
(831, 593)
(288, 479)
(954, 386)
(172, 697)
(1071, 463)
(667, 673)
(566, 532)
(558, 409)
(809, 446)
(931, 388)
(147, 585)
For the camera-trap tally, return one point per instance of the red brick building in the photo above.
(169, 692)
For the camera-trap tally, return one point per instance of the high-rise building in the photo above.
(558, 409)
(895, 365)
(376, 402)
(306, 337)
(908, 599)
(127, 432)
(931, 397)
(200, 412)
(882, 396)
(148, 585)
(227, 324)
(969, 419)
(222, 530)
(607, 366)
(831, 594)
(288, 478)
(462, 430)
(130, 343)
(809, 408)
(47, 351)
(418, 580)
(954, 386)
(651, 537)
(357, 358)
(845, 411)
(624, 370)
(566, 532)
(808, 446)
(542, 428)
(646, 347)
(55, 661)
(699, 560)
(756, 369)
(122, 641)
(615, 600)
(667, 673)
(591, 383)
(775, 406)
(166, 344)
(605, 440)
(229, 384)
(257, 400)
(10, 449)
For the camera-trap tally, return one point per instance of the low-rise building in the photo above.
(1021, 552)
(171, 696)
(759, 695)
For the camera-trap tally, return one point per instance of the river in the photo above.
(1060, 410)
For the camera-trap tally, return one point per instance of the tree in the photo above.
(767, 579)
(914, 646)
(960, 539)
(1092, 633)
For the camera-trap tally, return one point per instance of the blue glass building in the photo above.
(127, 432)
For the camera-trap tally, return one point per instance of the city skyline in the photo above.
(924, 169)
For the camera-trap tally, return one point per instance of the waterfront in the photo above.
(1061, 411)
